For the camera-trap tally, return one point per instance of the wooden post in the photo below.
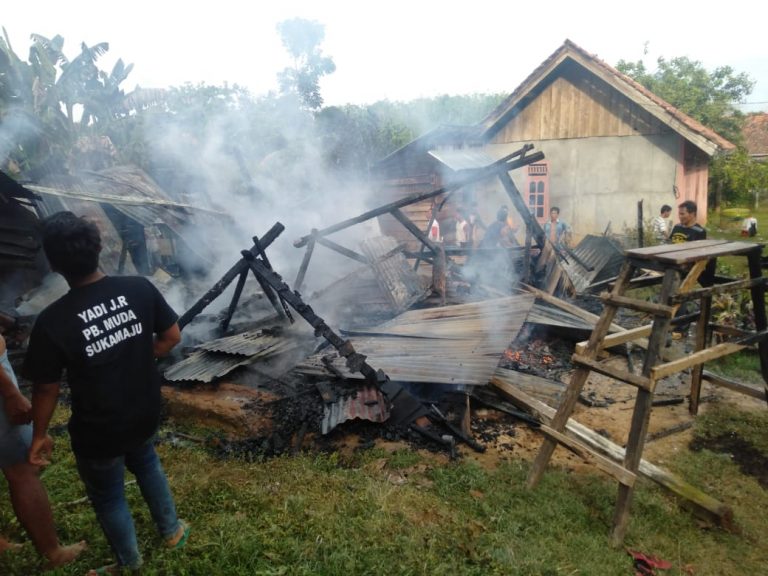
(703, 337)
(299, 284)
(642, 412)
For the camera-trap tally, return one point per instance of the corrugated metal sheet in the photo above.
(204, 366)
(217, 358)
(367, 403)
(463, 159)
(448, 345)
(245, 344)
(133, 193)
(604, 255)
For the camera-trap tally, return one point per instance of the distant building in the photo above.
(608, 143)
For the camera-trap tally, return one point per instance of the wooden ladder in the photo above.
(680, 266)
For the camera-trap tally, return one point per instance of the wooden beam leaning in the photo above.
(302, 273)
(585, 452)
(701, 504)
(342, 250)
(474, 176)
(227, 279)
(705, 355)
(413, 229)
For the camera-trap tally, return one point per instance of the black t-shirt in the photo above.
(102, 334)
(682, 234)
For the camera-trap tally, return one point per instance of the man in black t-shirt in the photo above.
(689, 230)
(105, 333)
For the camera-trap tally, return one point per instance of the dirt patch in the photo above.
(750, 460)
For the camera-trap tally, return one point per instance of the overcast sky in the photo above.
(396, 50)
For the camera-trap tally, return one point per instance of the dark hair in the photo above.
(502, 213)
(666, 208)
(690, 206)
(71, 244)
(555, 208)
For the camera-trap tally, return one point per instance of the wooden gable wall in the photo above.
(577, 104)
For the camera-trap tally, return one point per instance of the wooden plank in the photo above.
(701, 504)
(623, 375)
(640, 305)
(741, 387)
(719, 289)
(688, 252)
(653, 252)
(675, 366)
(590, 456)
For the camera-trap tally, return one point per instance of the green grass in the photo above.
(410, 513)
(729, 227)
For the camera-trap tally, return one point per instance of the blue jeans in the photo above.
(104, 483)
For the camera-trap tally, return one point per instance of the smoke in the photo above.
(16, 129)
(259, 175)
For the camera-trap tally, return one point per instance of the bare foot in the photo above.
(6, 545)
(65, 554)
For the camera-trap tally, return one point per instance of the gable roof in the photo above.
(756, 135)
(690, 129)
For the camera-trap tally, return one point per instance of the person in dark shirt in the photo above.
(689, 230)
(498, 234)
(105, 332)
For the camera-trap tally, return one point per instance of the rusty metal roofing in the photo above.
(366, 403)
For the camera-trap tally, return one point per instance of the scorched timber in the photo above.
(449, 345)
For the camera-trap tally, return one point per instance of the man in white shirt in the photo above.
(662, 225)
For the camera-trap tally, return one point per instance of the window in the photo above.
(538, 190)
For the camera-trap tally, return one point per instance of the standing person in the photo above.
(556, 231)
(462, 227)
(661, 225)
(498, 233)
(689, 230)
(28, 496)
(101, 333)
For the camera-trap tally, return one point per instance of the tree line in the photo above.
(59, 114)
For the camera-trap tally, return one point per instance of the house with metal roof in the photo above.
(608, 142)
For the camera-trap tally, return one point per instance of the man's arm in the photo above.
(44, 400)
(166, 340)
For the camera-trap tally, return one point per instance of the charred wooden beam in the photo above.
(227, 279)
(342, 250)
(304, 264)
(501, 167)
(355, 361)
(235, 299)
(413, 229)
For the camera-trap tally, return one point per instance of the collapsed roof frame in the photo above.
(556, 278)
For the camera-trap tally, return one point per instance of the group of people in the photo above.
(502, 231)
(105, 334)
(688, 229)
